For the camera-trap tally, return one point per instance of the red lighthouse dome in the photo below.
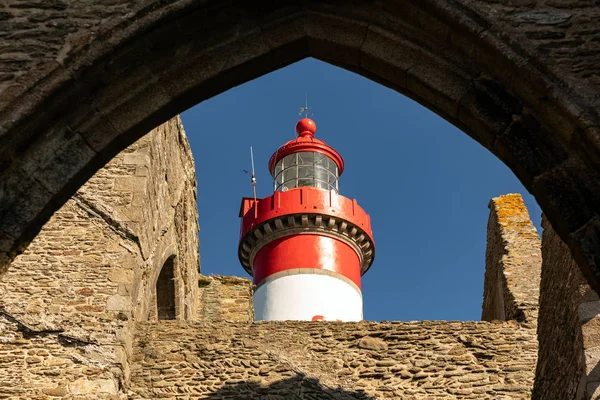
(306, 127)
(306, 246)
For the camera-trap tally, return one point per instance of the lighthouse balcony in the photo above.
(305, 210)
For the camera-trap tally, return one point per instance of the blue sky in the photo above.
(425, 183)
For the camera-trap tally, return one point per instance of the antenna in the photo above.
(253, 179)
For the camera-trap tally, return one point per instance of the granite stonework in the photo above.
(68, 304)
(568, 330)
(329, 360)
(513, 262)
(225, 298)
(561, 368)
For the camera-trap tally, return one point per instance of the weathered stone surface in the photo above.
(513, 263)
(81, 80)
(371, 343)
(225, 298)
(561, 369)
(569, 326)
(69, 302)
(326, 360)
(98, 76)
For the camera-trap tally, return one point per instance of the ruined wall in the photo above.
(569, 327)
(326, 360)
(514, 69)
(569, 311)
(225, 298)
(68, 304)
(513, 262)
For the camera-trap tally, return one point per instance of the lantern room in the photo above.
(306, 162)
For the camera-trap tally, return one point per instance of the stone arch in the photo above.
(166, 291)
(457, 60)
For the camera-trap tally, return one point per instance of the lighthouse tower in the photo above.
(306, 246)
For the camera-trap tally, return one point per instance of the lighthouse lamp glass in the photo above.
(306, 168)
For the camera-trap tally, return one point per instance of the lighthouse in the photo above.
(306, 246)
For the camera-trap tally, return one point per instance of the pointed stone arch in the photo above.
(465, 62)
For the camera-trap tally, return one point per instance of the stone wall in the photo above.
(513, 262)
(328, 360)
(48, 363)
(562, 32)
(569, 327)
(225, 298)
(70, 301)
(80, 79)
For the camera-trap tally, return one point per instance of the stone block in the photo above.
(569, 194)
(588, 251)
(136, 184)
(439, 83)
(58, 391)
(24, 204)
(589, 310)
(335, 38)
(121, 275)
(592, 390)
(487, 109)
(286, 39)
(84, 291)
(85, 386)
(216, 67)
(542, 17)
(94, 127)
(130, 213)
(118, 303)
(136, 159)
(591, 333)
(528, 148)
(388, 57)
(124, 289)
(64, 164)
(371, 343)
(427, 22)
(592, 361)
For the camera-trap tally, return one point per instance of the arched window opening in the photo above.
(165, 291)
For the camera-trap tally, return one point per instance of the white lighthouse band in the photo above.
(307, 294)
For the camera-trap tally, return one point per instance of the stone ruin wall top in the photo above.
(304, 360)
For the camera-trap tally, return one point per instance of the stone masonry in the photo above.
(69, 304)
(513, 262)
(80, 80)
(415, 360)
(225, 298)
(216, 359)
(569, 330)
(79, 315)
(441, 360)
